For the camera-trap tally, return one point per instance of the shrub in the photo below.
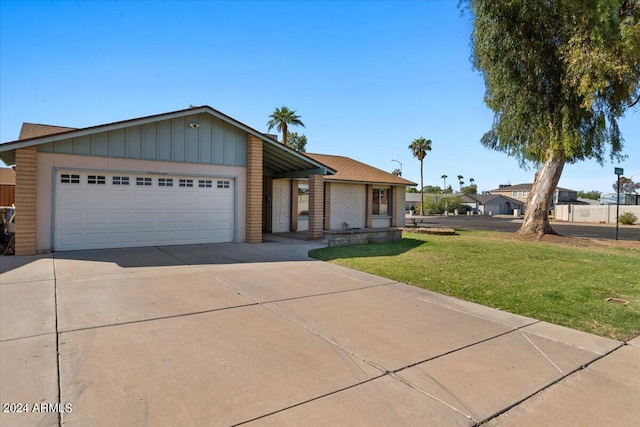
(438, 205)
(627, 218)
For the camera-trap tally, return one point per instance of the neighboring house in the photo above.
(584, 201)
(187, 176)
(412, 199)
(7, 187)
(492, 204)
(521, 192)
(624, 198)
(484, 204)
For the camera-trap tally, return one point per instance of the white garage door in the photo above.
(95, 210)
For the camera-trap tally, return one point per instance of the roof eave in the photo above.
(7, 150)
(354, 181)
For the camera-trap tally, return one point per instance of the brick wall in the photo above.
(293, 226)
(254, 189)
(316, 203)
(348, 203)
(397, 206)
(593, 213)
(327, 206)
(26, 170)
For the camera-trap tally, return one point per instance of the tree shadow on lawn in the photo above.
(370, 250)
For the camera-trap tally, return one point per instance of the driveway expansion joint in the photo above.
(55, 299)
(151, 319)
(551, 384)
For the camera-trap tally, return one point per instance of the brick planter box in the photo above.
(361, 236)
(432, 230)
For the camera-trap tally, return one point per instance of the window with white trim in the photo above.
(185, 183)
(165, 182)
(381, 202)
(525, 194)
(67, 178)
(205, 183)
(120, 180)
(143, 181)
(514, 194)
(96, 179)
(303, 199)
(223, 184)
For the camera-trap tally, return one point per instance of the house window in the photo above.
(143, 181)
(514, 194)
(165, 182)
(381, 201)
(120, 180)
(185, 183)
(525, 194)
(303, 199)
(223, 184)
(96, 179)
(66, 178)
(205, 183)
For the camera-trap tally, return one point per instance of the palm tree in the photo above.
(460, 180)
(281, 118)
(419, 148)
(444, 187)
(396, 172)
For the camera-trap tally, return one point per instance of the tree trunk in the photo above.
(536, 217)
(421, 191)
(284, 134)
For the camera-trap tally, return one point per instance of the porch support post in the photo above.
(397, 206)
(368, 219)
(293, 226)
(254, 189)
(26, 179)
(327, 206)
(316, 202)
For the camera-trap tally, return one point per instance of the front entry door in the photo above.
(267, 204)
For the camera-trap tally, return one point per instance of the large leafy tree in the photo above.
(626, 185)
(419, 148)
(558, 76)
(297, 142)
(281, 119)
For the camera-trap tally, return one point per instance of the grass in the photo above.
(562, 284)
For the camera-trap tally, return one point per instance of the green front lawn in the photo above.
(554, 282)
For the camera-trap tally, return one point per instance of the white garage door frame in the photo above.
(195, 208)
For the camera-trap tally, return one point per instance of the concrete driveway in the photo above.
(233, 334)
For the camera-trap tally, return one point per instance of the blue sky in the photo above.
(366, 77)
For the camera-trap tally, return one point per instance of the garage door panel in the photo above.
(89, 216)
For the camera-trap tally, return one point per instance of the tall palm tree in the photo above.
(419, 148)
(444, 187)
(460, 180)
(281, 119)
